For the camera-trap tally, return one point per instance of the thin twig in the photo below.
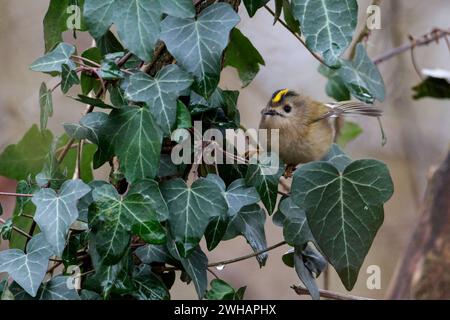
(213, 273)
(77, 173)
(284, 24)
(248, 256)
(9, 194)
(328, 294)
(426, 39)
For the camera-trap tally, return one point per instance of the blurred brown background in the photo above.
(418, 132)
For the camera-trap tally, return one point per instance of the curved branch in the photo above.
(328, 294)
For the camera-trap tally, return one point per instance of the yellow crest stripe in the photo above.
(280, 95)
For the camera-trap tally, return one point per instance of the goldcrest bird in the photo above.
(306, 129)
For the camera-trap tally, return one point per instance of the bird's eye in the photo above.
(287, 108)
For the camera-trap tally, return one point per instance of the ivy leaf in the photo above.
(327, 25)
(136, 139)
(29, 269)
(137, 22)
(45, 104)
(253, 5)
(184, 119)
(54, 60)
(108, 279)
(362, 78)
(112, 219)
(264, 176)
(191, 209)
(55, 212)
(432, 87)
(148, 285)
(242, 55)
(335, 87)
(69, 78)
(220, 290)
(249, 223)
(151, 192)
(296, 231)
(55, 289)
(26, 158)
(160, 93)
(195, 266)
(349, 132)
(150, 231)
(346, 220)
(197, 44)
(178, 8)
(149, 254)
(337, 157)
(57, 20)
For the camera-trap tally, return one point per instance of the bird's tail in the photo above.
(337, 109)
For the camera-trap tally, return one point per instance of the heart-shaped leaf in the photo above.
(137, 22)
(344, 209)
(150, 190)
(197, 44)
(29, 269)
(136, 140)
(160, 93)
(327, 25)
(112, 219)
(54, 60)
(55, 212)
(191, 209)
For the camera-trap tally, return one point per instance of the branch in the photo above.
(225, 262)
(424, 40)
(328, 294)
(9, 194)
(315, 55)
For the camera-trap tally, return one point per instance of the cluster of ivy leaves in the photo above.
(129, 234)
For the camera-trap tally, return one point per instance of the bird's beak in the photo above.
(270, 112)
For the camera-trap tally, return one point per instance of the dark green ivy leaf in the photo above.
(191, 209)
(112, 218)
(55, 289)
(148, 285)
(249, 223)
(253, 5)
(197, 44)
(69, 78)
(345, 222)
(136, 140)
(296, 231)
(195, 266)
(264, 176)
(433, 88)
(242, 55)
(160, 93)
(220, 290)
